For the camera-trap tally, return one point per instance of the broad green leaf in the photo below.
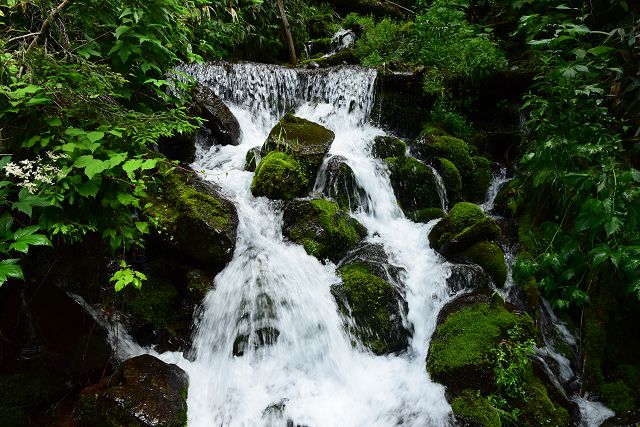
(88, 189)
(613, 225)
(6, 221)
(95, 136)
(95, 167)
(9, 270)
(28, 201)
(122, 29)
(22, 244)
(55, 122)
(600, 50)
(83, 161)
(130, 166)
(75, 132)
(125, 198)
(4, 161)
(149, 164)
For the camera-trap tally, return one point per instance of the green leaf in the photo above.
(28, 201)
(96, 167)
(600, 50)
(122, 29)
(22, 244)
(149, 164)
(55, 122)
(130, 166)
(95, 136)
(125, 198)
(4, 161)
(143, 227)
(613, 225)
(9, 270)
(88, 189)
(6, 222)
(83, 161)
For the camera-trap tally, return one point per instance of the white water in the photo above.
(312, 373)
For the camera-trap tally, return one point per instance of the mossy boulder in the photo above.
(252, 159)
(143, 392)
(475, 171)
(618, 397)
(473, 409)
(388, 146)
(196, 222)
(325, 230)
(219, 120)
(480, 179)
(461, 353)
(485, 229)
(280, 177)
(425, 215)
(459, 218)
(341, 185)
(451, 178)
(414, 184)
(307, 142)
(490, 257)
(373, 304)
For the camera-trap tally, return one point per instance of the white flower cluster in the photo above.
(34, 173)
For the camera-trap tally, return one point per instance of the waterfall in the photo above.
(272, 291)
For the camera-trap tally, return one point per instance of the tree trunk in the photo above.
(287, 32)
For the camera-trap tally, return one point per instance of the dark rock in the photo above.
(181, 147)
(325, 230)
(377, 261)
(260, 338)
(196, 222)
(143, 392)
(490, 257)
(343, 57)
(220, 121)
(341, 185)
(485, 229)
(253, 158)
(305, 141)
(388, 146)
(467, 276)
(414, 184)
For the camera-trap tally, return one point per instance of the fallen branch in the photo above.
(53, 14)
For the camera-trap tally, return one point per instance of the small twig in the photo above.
(24, 36)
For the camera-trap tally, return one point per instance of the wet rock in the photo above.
(460, 217)
(181, 147)
(343, 57)
(260, 338)
(485, 229)
(388, 146)
(375, 306)
(143, 392)
(279, 176)
(414, 184)
(425, 215)
(467, 276)
(253, 158)
(306, 142)
(196, 222)
(220, 121)
(325, 230)
(376, 259)
(341, 185)
(451, 178)
(490, 257)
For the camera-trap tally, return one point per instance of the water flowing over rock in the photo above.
(220, 121)
(272, 304)
(339, 183)
(143, 392)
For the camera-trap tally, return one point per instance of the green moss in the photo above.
(538, 409)
(154, 303)
(414, 184)
(426, 215)
(479, 179)
(279, 176)
(451, 177)
(21, 393)
(461, 216)
(618, 397)
(371, 300)
(306, 142)
(471, 407)
(447, 147)
(388, 146)
(325, 230)
(461, 349)
(594, 338)
(490, 257)
(510, 198)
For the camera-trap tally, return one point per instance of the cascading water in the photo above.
(273, 292)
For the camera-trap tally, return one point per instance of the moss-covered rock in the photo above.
(618, 397)
(305, 141)
(510, 199)
(373, 304)
(537, 408)
(27, 391)
(461, 216)
(143, 392)
(325, 230)
(490, 257)
(341, 184)
(280, 177)
(156, 303)
(388, 146)
(461, 352)
(475, 171)
(414, 184)
(252, 159)
(196, 222)
(473, 409)
(451, 178)
(480, 177)
(425, 215)
(485, 229)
